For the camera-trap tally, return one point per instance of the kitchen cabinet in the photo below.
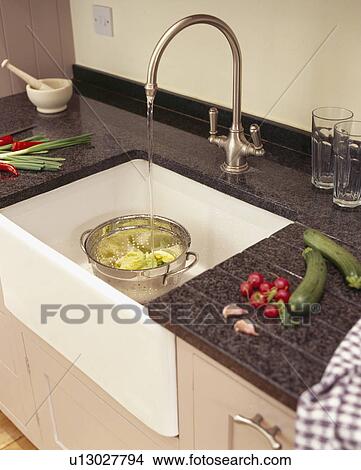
(16, 399)
(10, 368)
(219, 410)
(58, 407)
(73, 414)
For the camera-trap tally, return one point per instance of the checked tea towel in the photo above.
(329, 413)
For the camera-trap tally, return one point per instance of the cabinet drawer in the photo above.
(71, 415)
(223, 404)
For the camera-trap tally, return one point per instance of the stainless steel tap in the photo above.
(236, 146)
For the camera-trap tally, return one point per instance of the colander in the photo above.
(142, 285)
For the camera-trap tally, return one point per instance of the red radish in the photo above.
(281, 283)
(258, 299)
(246, 289)
(255, 279)
(265, 287)
(282, 294)
(271, 311)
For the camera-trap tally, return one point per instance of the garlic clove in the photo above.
(248, 328)
(232, 310)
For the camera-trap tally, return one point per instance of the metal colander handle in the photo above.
(189, 254)
(83, 239)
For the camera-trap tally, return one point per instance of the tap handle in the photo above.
(256, 136)
(213, 118)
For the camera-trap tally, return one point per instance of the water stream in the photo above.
(150, 106)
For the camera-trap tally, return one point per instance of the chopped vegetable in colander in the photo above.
(133, 251)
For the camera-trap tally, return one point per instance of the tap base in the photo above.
(234, 169)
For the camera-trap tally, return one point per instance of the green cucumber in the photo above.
(311, 288)
(349, 266)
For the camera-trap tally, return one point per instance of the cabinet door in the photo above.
(230, 415)
(16, 399)
(10, 376)
(71, 415)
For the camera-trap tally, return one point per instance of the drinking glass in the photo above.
(347, 154)
(323, 122)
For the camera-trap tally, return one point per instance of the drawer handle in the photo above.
(255, 422)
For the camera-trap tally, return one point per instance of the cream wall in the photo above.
(278, 39)
(25, 27)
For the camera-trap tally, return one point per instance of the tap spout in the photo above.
(236, 147)
(151, 86)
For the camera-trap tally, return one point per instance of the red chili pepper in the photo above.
(9, 169)
(23, 145)
(6, 140)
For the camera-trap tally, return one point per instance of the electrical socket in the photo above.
(103, 20)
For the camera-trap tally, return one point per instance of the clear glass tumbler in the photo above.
(323, 122)
(347, 154)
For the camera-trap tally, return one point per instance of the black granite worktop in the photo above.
(282, 361)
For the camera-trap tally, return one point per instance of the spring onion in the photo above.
(56, 144)
(32, 158)
(32, 165)
(28, 139)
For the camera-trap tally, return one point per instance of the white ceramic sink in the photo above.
(42, 263)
